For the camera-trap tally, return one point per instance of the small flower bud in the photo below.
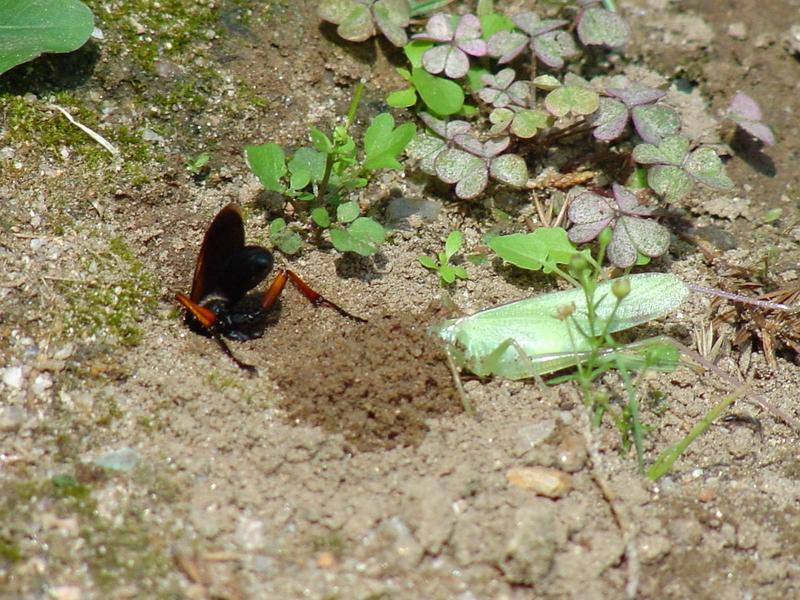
(621, 288)
(578, 263)
(565, 310)
(605, 236)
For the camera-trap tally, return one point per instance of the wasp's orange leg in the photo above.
(208, 319)
(276, 287)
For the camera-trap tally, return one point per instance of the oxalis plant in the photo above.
(497, 93)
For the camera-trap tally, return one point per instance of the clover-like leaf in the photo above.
(746, 113)
(571, 99)
(509, 169)
(635, 94)
(610, 119)
(457, 44)
(670, 182)
(551, 48)
(505, 46)
(601, 27)
(671, 151)
(501, 89)
(521, 123)
(356, 19)
(470, 165)
(426, 148)
(466, 170)
(633, 233)
(704, 165)
(655, 123)
(392, 18)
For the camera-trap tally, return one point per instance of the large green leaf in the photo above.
(29, 28)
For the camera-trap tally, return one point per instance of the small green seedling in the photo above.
(531, 337)
(196, 166)
(447, 273)
(318, 180)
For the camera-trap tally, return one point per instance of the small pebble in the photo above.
(11, 418)
(123, 460)
(326, 560)
(571, 453)
(12, 377)
(543, 481)
(738, 30)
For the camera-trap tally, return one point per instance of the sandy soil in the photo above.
(346, 468)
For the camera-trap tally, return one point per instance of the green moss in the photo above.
(114, 304)
(9, 552)
(31, 122)
(126, 551)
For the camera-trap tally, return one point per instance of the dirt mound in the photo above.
(376, 383)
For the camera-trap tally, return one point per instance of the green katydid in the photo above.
(527, 338)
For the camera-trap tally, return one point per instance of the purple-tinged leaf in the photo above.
(549, 50)
(704, 165)
(466, 170)
(425, 148)
(650, 237)
(495, 97)
(468, 28)
(474, 47)
(530, 23)
(435, 59)
(470, 143)
(493, 147)
(336, 11)
(506, 45)
(601, 27)
(392, 17)
(520, 92)
(590, 213)
(670, 182)
(509, 169)
(633, 236)
(501, 119)
(628, 202)
(746, 113)
(437, 29)
(453, 164)
(610, 119)
(654, 123)
(445, 129)
(621, 250)
(358, 25)
(636, 95)
(745, 107)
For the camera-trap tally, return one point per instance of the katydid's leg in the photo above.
(276, 287)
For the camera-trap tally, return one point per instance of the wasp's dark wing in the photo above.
(224, 238)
